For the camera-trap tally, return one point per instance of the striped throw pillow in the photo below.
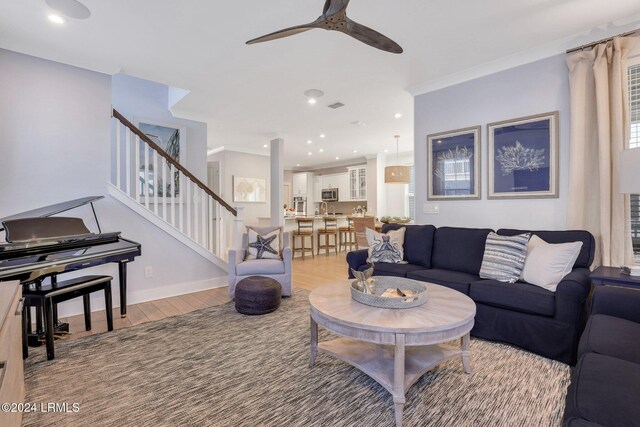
(504, 257)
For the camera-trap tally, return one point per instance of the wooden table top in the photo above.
(445, 309)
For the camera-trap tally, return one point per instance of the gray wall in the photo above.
(141, 99)
(248, 166)
(55, 132)
(534, 88)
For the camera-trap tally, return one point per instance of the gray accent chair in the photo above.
(276, 269)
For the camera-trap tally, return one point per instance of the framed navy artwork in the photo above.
(453, 164)
(523, 157)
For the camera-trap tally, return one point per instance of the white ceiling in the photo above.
(251, 94)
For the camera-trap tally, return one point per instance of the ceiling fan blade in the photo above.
(371, 37)
(285, 32)
(334, 6)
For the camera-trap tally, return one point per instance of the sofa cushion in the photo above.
(518, 296)
(611, 336)
(260, 266)
(548, 263)
(504, 257)
(264, 245)
(418, 242)
(386, 247)
(459, 249)
(604, 390)
(587, 252)
(451, 279)
(388, 269)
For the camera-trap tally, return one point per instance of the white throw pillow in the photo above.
(387, 247)
(265, 246)
(547, 264)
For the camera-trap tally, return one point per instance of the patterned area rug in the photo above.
(215, 367)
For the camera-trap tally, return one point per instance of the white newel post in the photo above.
(239, 227)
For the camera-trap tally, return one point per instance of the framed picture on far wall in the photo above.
(523, 157)
(453, 164)
(249, 189)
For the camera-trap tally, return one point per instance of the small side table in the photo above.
(612, 276)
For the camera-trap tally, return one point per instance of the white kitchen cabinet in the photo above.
(300, 184)
(343, 187)
(358, 183)
(330, 181)
(317, 188)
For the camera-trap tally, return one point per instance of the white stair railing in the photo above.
(148, 175)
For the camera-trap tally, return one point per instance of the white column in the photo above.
(277, 181)
(381, 202)
(238, 227)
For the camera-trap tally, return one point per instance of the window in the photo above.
(634, 142)
(411, 193)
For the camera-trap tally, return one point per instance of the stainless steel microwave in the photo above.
(330, 195)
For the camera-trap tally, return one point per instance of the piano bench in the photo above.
(46, 296)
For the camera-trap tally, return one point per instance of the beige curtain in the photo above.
(599, 132)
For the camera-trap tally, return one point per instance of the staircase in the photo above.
(149, 181)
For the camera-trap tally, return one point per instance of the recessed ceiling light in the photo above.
(70, 8)
(309, 141)
(56, 19)
(298, 165)
(397, 115)
(266, 146)
(322, 135)
(313, 95)
(321, 150)
(386, 150)
(355, 151)
(309, 153)
(337, 158)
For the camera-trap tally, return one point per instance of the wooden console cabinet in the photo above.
(11, 362)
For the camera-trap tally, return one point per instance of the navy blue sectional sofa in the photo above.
(525, 315)
(605, 387)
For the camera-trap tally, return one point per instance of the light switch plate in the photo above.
(431, 208)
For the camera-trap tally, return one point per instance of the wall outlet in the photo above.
(148, 272)
(431, 208)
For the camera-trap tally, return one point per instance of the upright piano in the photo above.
(40, 245)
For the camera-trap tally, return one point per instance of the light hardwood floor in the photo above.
(308, 273)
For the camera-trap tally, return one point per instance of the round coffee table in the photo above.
(395, 347)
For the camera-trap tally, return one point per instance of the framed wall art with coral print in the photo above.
(523, 157)
(453, 164)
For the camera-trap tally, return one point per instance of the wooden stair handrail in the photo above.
(156, 147)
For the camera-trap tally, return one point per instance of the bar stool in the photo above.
(347, 235)
(330, 230)
(46, 297)
(304, 231)
(360, 225)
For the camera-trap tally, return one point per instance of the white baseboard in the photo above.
(74, 307)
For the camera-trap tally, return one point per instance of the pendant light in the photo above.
(396, 174)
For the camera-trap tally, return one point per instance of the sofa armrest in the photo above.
(286, 257)
(571, 296)
(355, 259)
(236, 256)
(617, 302)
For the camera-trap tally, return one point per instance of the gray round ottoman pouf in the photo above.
(258, 295)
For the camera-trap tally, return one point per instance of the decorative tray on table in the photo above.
(389, 292)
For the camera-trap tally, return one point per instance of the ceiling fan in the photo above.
(334, 17)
